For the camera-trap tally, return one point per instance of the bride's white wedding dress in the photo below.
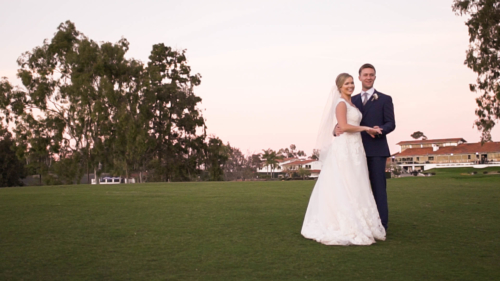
(342, 210)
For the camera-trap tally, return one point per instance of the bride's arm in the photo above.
(341, 113)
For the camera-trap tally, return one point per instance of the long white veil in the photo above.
(328, 122)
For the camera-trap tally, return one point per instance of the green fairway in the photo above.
(445, 227)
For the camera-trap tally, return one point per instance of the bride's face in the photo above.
(348, 87)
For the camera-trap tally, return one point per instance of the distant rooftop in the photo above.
(300, 162)
(436, 141)
(464, 148)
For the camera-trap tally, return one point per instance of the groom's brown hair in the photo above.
(367, 65)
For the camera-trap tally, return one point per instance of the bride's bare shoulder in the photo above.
(341, 106)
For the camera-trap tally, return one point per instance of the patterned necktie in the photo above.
(365, 98)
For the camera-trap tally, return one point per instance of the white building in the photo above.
(293, 164)
(446, 153)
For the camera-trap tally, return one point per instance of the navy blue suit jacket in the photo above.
(376, 112)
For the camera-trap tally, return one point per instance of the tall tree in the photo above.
(173, 113)
(292, 150)
(483, 58)
(315, 154)
(291, 153)
(72, 89)
(85, 101)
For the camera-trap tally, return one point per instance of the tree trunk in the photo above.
(88, 176)
(40, 161)
(95, 176)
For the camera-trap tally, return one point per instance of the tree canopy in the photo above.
(483, 58)
(11, 168)
(85, 108)
(87, 105)
(416, 135)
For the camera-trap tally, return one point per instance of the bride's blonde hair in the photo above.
(341, 79)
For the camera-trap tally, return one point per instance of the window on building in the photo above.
(468, 156)
(418, 158)
(431, 158)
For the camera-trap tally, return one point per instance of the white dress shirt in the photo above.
(369, 92)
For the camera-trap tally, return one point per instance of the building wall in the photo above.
(439, 159)
(406, 146)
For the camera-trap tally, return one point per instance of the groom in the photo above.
(378, 111)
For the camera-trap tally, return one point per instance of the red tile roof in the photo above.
(286, 159)
(430, 141)
(300, 162)
(464, 148)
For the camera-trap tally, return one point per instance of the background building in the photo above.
(441, 153)
(293, 164)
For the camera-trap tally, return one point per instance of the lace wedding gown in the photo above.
(342, 210)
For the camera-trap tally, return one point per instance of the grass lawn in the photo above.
(445, 227)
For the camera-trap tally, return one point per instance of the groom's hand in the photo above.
(375, 135)
(337, 131)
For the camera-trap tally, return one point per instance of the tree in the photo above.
(216, 154)
(69, 104)
(236, 164)
(315, 154)
(84, 101)
(483, 58)
(416, 135)
(173, 114)
(68, 169)
(285, 152)
(303, 172)
(252, 164)
(395, 169)
(255, 161)
(271, 158)
(11, 168)
(288, 172)
(291, 153)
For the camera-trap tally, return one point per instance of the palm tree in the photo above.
(271, 159)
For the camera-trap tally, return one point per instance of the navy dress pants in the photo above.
(376, 169)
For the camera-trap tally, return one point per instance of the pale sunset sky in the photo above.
(267, 66)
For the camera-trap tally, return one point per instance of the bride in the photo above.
(342, 210)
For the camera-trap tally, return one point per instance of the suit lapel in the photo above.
(357, 102)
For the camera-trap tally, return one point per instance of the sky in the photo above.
(267, 67)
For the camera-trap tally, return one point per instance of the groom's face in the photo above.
(367, 78)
